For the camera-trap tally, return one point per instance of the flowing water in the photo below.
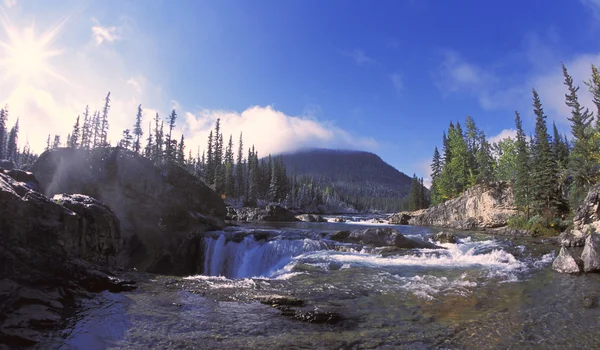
(485, 292)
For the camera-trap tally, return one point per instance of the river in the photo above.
(485, 292)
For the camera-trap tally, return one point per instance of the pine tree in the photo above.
(96, 125)
(473, 140)
(522, 187)
(181, 151)
(13, 139)
(48, 144)
(413, 194)
(149, 149)
(104, 122)
(137, 131)
(436, 171)
(543, 168)
(74, 139)
(229, 174)
(209, 174)
(220, 167)
(459, 163)
(86, 132)
(581, 164)
(484, 161)
(239, 170)
(56, 143)
(170, 151)
(3, 118)
(158, 144)
(126, 140)
(560, 149)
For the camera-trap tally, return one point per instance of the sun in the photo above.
(26, 56)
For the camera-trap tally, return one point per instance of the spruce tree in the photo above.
(209, 174)
(48, 144)
(158, 144)
(522, 187)
(170, 150)
(3, 118)
(137, 131)
(544, 181)
(181, 151)
(436, 171)
(56, 144)
(104, 123)
(86, 132)
(96, 125)
(485, 162)
(229, 173)
(126, 139)
(560, 150)
(581, 163)
(149, 143)
(74, 139)
(11, 147)
(239, 170)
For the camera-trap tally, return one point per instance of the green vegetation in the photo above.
(550, 174)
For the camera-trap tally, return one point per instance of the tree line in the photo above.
(550, 173)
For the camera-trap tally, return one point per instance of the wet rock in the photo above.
(271, 212)
(310, 218)
(445, 237)
(380, 237)
(589, 301)
(573, 238)
(403, 218)
(316, 316)
(340, 219)
(565, 262)
(480, 207)
(591, 253)
(281, 300)
(340, 236)
(509, 231)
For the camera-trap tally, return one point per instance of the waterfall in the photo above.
(250, 258)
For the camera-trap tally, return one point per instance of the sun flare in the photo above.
(25, 56)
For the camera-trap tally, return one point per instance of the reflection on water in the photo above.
(484, 293)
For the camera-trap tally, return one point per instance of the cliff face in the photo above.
(160, 210)
(44, 245)
(480, 207)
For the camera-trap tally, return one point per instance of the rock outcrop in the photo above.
(565, 262)
(310, 218)
(380, 237)
(43, 244)
(161, 211)
(271, 212)
(445, 237)
(591, 253)
(403, 217)
(479, 208)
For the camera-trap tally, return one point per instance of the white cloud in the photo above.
(358, 56)
(594, 5)
(457, 75)
(270, 131)
(504, 134)
(397, 82)
(423, 169)
(105, 34)
(136, 84)
(10, 3)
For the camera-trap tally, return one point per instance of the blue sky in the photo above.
(384, 76)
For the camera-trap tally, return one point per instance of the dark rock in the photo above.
(379, 237)
(315, 316)
(281, 300)
(480, 207)
(591, 253)
(340, 219)
(160, 210)
(445, 237)
(565, 262)
(340, 236)
(278, 213)
(401, 218)
(271, 212)
(509, 231)
(310, 218)
(589, 301)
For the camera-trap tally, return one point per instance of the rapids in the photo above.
(485, 292)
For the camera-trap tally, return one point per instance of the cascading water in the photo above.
(251, 258)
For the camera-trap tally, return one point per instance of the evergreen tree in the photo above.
(126, 140)
(209, 174)
(473, 141)
(137, 131)
(581, 163)
(104, 123)
(13, 139)
(56, 144)
(96, 126)
(413, 194)
(74, 138)
(484, 161)
(158, 144)
(86, 132)
(229, 174)
(181, 151)
(459, 164)
(522, 187)
(436, 171)
(239, 170)
(543, 168)
(48, 144)
(3, 118)
(560, 149)
(149, 143)
(170, 150)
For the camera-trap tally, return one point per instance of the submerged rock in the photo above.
(310, 218)
(591, 253)
(281, 300)
(445, 237)
(565, 262)
(380, 237)
(316, 316)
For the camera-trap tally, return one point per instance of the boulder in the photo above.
(271, 212)
(574, 238)
(43, 245)
(275, 212)
(401, 218)
(381, 237)
(591, 253)
(310, 218)
(565, 262)
(445, 237)
(160, 211)
(480, 207)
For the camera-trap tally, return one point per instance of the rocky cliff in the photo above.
(44, 245)
(480, 207)
(160, 211)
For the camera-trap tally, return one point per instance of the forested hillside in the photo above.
(361, 179)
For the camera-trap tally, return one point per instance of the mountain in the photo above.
(360, 178)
